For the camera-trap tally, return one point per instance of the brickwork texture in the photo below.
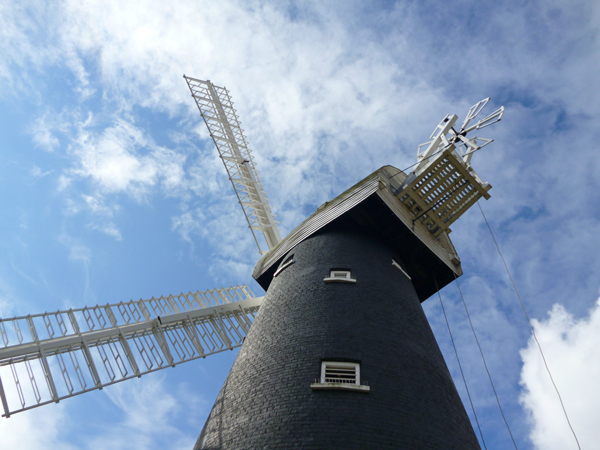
(267, 402)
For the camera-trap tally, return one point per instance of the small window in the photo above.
(340, 375)
(287, 262)
(339, 276)
(399, 267)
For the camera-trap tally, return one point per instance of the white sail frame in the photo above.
(217, 110)
(53, 356)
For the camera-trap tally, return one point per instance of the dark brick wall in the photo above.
(266, 401)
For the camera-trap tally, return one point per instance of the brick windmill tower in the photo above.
(340, 353)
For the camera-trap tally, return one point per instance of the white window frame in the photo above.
(399, 267)
(339, 276)
(285, 264)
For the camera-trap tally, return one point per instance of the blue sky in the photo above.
(111, 189)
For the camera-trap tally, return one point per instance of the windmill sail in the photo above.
(216, 108)
(53, 356)
(444, 185)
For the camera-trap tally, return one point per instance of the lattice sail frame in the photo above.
(443, 184)
(442, 193)
(79, 350)
(217, 110)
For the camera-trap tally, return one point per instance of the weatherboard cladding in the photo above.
(325, 214)
(266, 401)
(372, 201)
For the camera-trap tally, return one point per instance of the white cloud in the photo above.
(144, 415)
(77, 251)
(149, 414)
(102, 214)
(43, 133)
(63, 182)
(233, 251)
(571, 347)
(108, 228)
(36, 430)
(97, 206)
(316, 113)
(187, 225)
(121, 158)
(38, 173)
(111, 159)
(8, 299)
(326, 94)
(80, 253)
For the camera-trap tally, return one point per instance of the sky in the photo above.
(111, 189)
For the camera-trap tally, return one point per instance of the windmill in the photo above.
(339, 355)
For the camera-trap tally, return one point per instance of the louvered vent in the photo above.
(340, 373)
(341, 376)
(340, 276)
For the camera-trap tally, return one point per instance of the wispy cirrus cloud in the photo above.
(149, 416)
(38, 173)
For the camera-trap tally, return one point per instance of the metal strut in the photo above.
(117, 342)
(216, 108)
